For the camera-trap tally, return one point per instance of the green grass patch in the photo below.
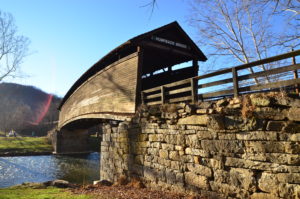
(24, 144)
(33, 193)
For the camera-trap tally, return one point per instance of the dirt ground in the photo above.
(129, 192)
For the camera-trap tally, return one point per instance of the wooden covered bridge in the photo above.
(111, 88)
(141, 71)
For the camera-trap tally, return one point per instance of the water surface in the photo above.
(76, 169)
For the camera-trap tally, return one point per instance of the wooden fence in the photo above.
(188, 89)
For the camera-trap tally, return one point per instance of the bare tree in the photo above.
(290, 9)
(285, 5)
(231, 28)
(150, 4)
(243, 30)
(13, 114)
(13, 47)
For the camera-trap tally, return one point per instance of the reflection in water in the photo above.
(76, 169)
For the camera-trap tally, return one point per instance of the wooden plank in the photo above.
(181, 90)
(271, 85)
(219, 72)
(235, 82)
(269, 59)
(110, 90)
(216, 83)
(84, 79)
(143, 97)
(295, 75)
(152, 90)
(153, 103)
(163, 94)
(252, 64)
(171, 92)
(194, 90)
(167, 48)
(180, 99)
(138, 77)
(168, 85)
(270, 72)
(153, 96)
(216, 94)
(167, 77)
(196, 65)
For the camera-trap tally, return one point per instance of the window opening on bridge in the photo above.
(182, 65)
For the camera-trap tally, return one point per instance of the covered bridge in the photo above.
(111, 88)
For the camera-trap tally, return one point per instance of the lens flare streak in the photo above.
(42, 110)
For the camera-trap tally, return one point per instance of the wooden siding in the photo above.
(110, 92)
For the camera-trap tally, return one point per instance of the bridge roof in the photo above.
(171, 34)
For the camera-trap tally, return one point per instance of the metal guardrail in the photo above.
(187, 90)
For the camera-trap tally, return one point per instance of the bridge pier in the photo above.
(70, 141)
(114, 152)
(117, 151)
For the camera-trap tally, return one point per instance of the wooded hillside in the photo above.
(27, 109)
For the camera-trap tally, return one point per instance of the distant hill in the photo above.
(27, 109)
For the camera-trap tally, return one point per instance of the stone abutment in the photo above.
(231, 148)
(70, 141)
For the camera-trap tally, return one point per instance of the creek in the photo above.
(80, 169)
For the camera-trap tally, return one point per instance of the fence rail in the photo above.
(187, 90)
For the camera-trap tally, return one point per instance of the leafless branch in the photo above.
(13, 47)
(244, 29)
(152, 4)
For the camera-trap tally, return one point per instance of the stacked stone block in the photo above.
(114, 152)
(231, 148)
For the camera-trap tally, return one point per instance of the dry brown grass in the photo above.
(129, 192)
(247, 107)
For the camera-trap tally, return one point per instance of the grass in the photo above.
(42, 193)
(35, 144)
(24, 144)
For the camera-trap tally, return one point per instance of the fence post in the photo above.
(163, 94)
(295, 75)
(143, 97)
(194, 90)
(235, 82)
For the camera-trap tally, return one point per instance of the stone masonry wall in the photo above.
(231, 148)
(68, 142)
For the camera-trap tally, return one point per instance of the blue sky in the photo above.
(69, 36)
